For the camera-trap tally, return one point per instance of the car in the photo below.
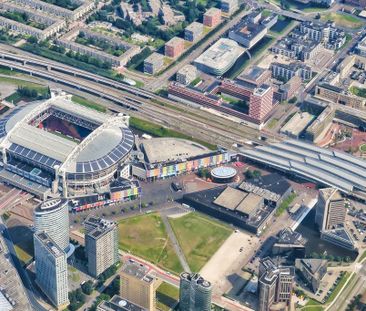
(241, 249)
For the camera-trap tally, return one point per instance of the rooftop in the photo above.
(109, 142)
(195, 26)
(137, 270)
(220, 54)
(51, 205)
(327, 166)
(230, 198)
(212, 11)
(48, 243)
(297, 123)
(119, 304)
(155, 58)
(164, 149)
(175, 41)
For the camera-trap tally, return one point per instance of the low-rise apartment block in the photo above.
(174, 47)
(212, 17)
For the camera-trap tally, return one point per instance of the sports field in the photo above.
(199, 237)
(146, 237)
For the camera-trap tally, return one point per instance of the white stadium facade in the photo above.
(325, 166)
(58, 148)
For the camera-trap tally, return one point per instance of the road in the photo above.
(356, 285)
(29, 289)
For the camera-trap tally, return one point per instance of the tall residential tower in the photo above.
(101, 244)
(51, 269)
(195, 293)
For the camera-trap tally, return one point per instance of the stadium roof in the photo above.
(110, 139)
(327, 166)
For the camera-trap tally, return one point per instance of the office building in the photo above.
(154, 63)
(330, 209)
(174, 47)
(212, 17)
(52, 217)
(195, 293)
(186, 74)
(101, 244)
(274, 284)
(248, 33)
(229, 6)
(312, 270)
(138, 285)
(219, 57)
(290, 244)
(51, 269)
(118, 304)
(193, 31)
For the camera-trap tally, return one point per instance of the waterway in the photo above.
(314, 244)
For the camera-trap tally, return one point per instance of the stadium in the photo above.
(59, 148)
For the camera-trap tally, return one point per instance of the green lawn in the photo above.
(343, 20)
(23, 83)
(272, 123)
(363, 147)
(87, 103)
(146, 237)
(160, 131)
(361, 92)
(199, 237)
(23, 256)
(285, 204)
(167, 296)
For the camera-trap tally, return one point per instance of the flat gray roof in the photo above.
(230, 198)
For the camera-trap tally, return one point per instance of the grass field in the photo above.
(160, 131)
(167, 296)
(363, 147)
(87, 103)
(343, 20)
(145, 236)
(199, 237)
(361, 92)
(16, 97)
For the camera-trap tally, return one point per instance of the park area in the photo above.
(199, 237)
(146, 237)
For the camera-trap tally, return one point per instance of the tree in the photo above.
(257, 174)
(32, 40)
(87, 287)
(248, 174)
